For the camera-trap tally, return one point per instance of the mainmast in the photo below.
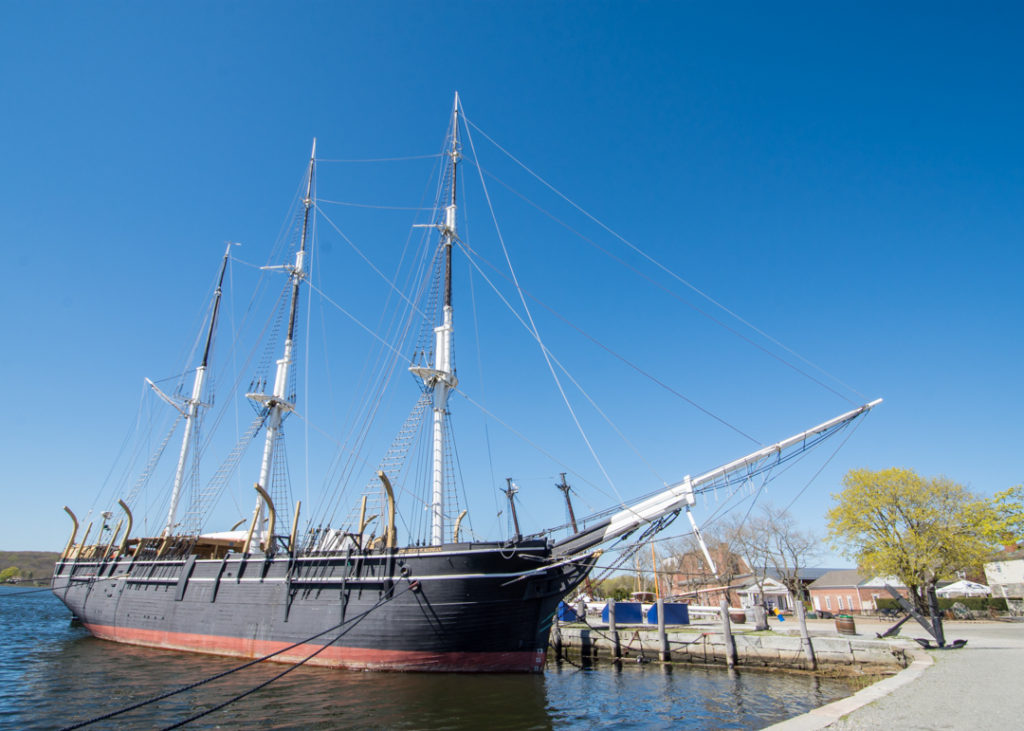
(440, 379)
(192, 405)
(276, 402)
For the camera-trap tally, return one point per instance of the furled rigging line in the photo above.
(536, 333)
(664, 268)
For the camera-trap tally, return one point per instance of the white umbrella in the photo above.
(964, 588)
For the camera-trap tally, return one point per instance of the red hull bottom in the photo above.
(352, 658)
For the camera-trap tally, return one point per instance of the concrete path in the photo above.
(979, 686)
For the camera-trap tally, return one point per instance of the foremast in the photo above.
(277, 404)
(440, 379)
(191, 410)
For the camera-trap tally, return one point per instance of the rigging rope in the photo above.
(472, 252)
(372, 206)
(579, 387)
(533, 325)
(665, 269)
(382, 159)
(352, 621)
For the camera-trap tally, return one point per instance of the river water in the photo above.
(53, 675)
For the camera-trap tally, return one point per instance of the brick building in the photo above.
(847, 591)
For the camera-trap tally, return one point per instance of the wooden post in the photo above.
(558, 639)
(663, 653)
(760, 618)
(805, 638)
(730, 646)
(614, 633)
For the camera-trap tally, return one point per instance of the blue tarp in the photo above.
(625, 613)
(674, 614)
(567, 613)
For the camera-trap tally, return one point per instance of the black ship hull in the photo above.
(458, 607)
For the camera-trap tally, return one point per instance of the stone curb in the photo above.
(827, 715)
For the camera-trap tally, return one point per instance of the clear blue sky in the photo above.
(849, 178)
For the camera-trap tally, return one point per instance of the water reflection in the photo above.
(52, 674)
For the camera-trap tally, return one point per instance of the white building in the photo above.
(1005, 575)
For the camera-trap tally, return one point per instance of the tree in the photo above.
(689, 568)
(616, 587)
(11, 572)
(1009, 506)
(896, 523)
(773, 541)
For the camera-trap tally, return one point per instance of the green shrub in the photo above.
(975, 603)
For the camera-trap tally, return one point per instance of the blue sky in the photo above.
(850, 179)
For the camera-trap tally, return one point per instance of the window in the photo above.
(828, 602)
(839, 602)
(817, 605)
(849, 603)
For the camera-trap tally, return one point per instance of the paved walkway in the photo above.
(979, 686)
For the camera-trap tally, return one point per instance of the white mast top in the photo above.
(277, 401)
(440, 379)
(191, 410)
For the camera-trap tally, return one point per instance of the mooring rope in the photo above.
(351, 621)
(6, 594)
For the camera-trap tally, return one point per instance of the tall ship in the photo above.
(375, 589)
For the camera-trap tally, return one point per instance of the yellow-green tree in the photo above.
(895, 522)
(1009, 505)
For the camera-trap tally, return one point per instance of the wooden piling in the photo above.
(730, 646)
(805, 638)
(663, 652)
(760, 618)
(613, 632)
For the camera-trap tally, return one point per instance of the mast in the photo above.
(192, 405)
(564, 487)
(510, 493)
(276, 402)
(440, 379)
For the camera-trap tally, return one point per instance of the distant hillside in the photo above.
(37, 564)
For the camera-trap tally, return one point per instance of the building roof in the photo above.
(838, 578)
(804, 574)
(1007, 556)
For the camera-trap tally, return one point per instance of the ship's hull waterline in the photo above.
(455, 608)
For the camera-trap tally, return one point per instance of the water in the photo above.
(53, 674)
